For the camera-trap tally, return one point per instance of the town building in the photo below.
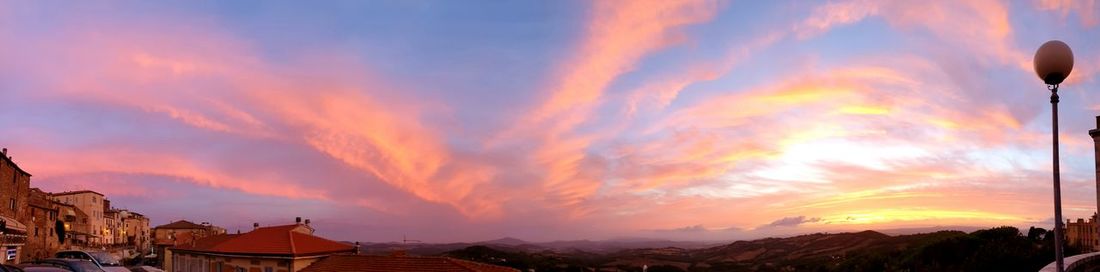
(287, 248)
(92, 204)
(180, 233)
(167, 234)
(14, 189)
(399, 262)
(75, 223)
(35, 224)
(1082, 234)
(112, 227)
(42, 237)
(136, 230)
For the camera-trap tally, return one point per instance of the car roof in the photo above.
(66, 260)
(44, 269)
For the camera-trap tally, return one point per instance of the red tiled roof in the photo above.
(373, 263)
(278, 240)
(182, 224)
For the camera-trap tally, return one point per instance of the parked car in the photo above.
(8, 268)
(103, 260)
(60, 264)
(45, 268)
(145, 268)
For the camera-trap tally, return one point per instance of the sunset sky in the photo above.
(549, 120)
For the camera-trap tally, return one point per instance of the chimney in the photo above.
(5, 151)
(307, 222)
(255, 226)
(356, 247)
(298, 220)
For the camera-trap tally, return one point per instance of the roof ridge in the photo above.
(290, 236)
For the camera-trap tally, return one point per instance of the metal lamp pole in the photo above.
(1053, 63)
(1058, 232)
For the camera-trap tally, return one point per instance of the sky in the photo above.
(448, 121)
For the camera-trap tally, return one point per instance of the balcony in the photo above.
(1078, 263)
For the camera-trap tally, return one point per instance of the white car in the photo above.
(104, 260)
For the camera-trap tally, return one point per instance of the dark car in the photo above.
(44, 268)
(8, 268)
(101, 259)
(74, 265)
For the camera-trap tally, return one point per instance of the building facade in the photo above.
(91, 203)
(42, 237)
(180, 233)
(1082, 234)
(14, 189)
(287, 248)
(112, 225)
(75, 223)
(136, 230)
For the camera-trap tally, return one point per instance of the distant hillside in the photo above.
(906, 231)
(513, 244)
(996, 249)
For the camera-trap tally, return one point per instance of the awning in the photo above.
(13, 225)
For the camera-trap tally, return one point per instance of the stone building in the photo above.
(91, 203)
(76, 225)
(287, 248)
(14, 189)
(179, 233)
(1082, 234)
(136, 230)
(112, 226)
(42, 238)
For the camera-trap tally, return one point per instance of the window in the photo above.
(255, 262)
(35, 231)
(12, 204)
(268, 269)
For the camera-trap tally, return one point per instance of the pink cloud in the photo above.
(617, 36)
(1086, 9)
(208, 80)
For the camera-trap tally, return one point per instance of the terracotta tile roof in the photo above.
(278, 241)
(374, 263)
(182, 224)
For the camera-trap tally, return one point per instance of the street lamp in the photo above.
(1053, 62)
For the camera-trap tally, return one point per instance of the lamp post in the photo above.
(1053, 63)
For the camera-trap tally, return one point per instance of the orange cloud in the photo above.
(618, 35)
(332, 107)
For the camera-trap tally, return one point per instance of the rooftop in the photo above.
(12, 162)
(376, 263)
(76, 193)
(268, 241)
(181, 224)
